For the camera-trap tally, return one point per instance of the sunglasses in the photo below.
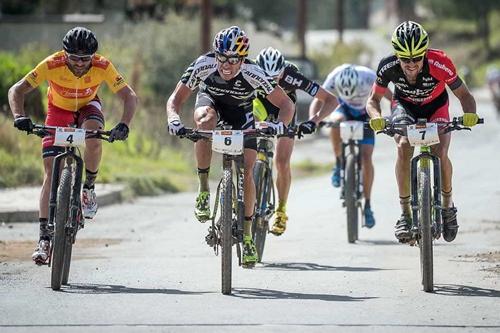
(76, 58)
(408, 60)
(231, 60)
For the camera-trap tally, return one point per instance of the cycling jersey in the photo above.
(239, 91)
(357, 104)
(291, 80)
(68, 92)
(437, 71)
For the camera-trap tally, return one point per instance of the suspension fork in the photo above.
(356, 150)
(75, 198)
(54, 184)
(240, 195)
(426, 158)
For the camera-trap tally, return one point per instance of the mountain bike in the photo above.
(351, 188)
(264, 190)
(227, 230)
(425, 186)
(65, 211)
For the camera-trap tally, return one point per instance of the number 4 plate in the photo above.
(423, 136)
(69, 137)
(228, 142)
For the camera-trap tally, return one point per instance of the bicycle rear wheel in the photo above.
(60, 238)
(351, 198)
(226, 201)
(261, 224)
(425, 240)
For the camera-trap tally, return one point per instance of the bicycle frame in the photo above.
(265, 156)
(352, 147)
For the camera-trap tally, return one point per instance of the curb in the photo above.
(107, 198)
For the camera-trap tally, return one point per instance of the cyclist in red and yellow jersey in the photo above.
(74, 75)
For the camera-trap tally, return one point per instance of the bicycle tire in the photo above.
(226, 230)
(261, 224)
(425, 239)
(351, 198)
(67, 260)
(60, 237)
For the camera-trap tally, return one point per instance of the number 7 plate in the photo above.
(69, 137)
(228, 142)
(423, 136)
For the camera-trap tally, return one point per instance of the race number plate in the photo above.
(423, 135)
(351, 130)
(69, 137)
(228, 142)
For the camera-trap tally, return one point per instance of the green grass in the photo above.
(309, 168)
(146, 167)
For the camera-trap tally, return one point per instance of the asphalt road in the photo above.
(144, 266)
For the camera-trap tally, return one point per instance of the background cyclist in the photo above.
(227, 81)
(74, 75)
(419, 75)
(352, 84)
(290, 79)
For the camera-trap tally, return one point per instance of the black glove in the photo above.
(119, 132)
(306, 127)
(23, 123)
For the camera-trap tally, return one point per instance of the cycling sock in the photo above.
(203, 178)
(405, 205)
(44, 229)
(89, 179)
(337, 162)
(447, 200)
(281, 207)
(247, 226)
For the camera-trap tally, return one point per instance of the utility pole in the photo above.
(340, 20)
(301, 26)
(206, 23)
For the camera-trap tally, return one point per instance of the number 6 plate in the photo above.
(228, 142)
(69, 137)
(423, 136)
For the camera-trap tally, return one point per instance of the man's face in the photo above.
(411, 66)
(79, 64)
(228, 67)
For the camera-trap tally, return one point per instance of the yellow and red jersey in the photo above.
(68, 92)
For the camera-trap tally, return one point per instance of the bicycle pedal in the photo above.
(211, 238)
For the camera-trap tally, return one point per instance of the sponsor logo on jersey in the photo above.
(387, 66)
(441, 66)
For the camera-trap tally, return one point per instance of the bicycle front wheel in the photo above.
(351, 199)
(60, 238)
(425, 222)
(226, 230)
(261, 224)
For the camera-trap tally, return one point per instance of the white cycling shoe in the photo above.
(89, 203)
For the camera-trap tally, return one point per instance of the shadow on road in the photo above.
(458, 290)
(251, 293)
(76, 288)
(307, 266)
(377, 242)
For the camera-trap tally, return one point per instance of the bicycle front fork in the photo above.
(425, 159)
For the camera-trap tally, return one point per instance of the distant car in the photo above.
(308, 68)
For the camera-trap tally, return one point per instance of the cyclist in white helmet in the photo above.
(289, 79)
(352, 85)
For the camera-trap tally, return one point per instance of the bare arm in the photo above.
(16, 97)
(466, 99)
(284, 103)
(322, 105)
(373, 104)
(176, 100)
(129, 98)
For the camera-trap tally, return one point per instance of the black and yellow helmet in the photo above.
(410, 40)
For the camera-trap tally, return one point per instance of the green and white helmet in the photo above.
(410, 40)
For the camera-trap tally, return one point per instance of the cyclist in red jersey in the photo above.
(419, 75)
(74, 75)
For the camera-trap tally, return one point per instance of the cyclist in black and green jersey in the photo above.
(290, 79)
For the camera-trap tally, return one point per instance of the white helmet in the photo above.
(271, 61)
(346, 83)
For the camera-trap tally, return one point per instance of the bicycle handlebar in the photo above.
(194, 134)
(44, 130)
(456, 124)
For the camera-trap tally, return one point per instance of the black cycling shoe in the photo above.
(450, 225)
(403, 229)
